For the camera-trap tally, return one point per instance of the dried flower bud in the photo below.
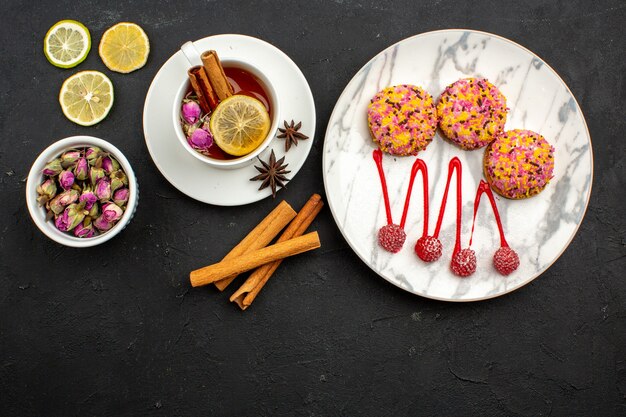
(46, 190)
(84, 229)
(102, 224)
(58, 203)
(88, 197)
(81, 170)
(95, 211)
(42, 199)
(92, 154)
(110, 164)
(71, 217)
(120, 197)
(66, 179)
(96, 174)
(201, 139)
(103, 189)
(69, 158)
(53, 168)
(47, 187)
(191, 111)
(111, 212)
(118, 180)
(61, 222)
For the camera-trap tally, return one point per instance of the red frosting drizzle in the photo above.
(418, 165)
(378, 158)
(455, 164)
(483, 187)
(392, 237)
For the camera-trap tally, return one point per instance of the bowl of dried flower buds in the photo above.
(81, 191)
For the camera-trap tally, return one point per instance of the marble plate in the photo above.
(197, 179)
(539, 228)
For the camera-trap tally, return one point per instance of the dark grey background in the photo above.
(116, 330)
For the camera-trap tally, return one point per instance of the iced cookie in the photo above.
(519, 164)
(472, 112)
(402, 119)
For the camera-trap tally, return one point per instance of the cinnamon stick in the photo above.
(202, 87)
(246, 294)
(253, 259)
(262, 234)
(217, 77)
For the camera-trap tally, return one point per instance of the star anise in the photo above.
(272, 173)
(291, 135)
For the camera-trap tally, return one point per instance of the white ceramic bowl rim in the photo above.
(266, 83)
(35, 177)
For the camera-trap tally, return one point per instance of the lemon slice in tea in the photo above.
(124, 47)
(86, 97)
(67, 44)
(240, 124)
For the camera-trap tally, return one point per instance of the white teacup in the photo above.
(193, 56)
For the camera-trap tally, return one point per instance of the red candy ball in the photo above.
(505, 260)
(428, 248)
(464, 262)
(391, 237)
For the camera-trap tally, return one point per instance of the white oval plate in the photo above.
(197, 179)
(539, 228)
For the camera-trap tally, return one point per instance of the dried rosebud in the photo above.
(92, 154)
(53, 168)
(111, 211)
(81, 169)
(48, 187)
(118, 180)
(103, 189)
(110, 164)
(102, 224)
(84, 229)
(58, 203)
(46, 190)
(120, 197)
(191, 111)
(94, 211)
(71, 217)
(69, 158)
(201, 139)
(61, 222)
(66, 179)
(42, 200)
(96, 174)
(88, 197)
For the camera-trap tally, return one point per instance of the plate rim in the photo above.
(571, 237)
(296, 71)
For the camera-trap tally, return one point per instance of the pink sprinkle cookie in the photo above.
(472, 112)
(519, 164)
(402, 119)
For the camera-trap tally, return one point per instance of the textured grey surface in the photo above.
(115, 330)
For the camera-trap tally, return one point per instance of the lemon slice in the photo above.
(124, 47)
(240, 124)
(86, 97)
(67, 44)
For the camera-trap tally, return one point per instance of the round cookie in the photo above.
(519, 164)
(402, 119)
(471, 112)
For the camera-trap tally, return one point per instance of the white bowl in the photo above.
(35, 177)
(267, 85)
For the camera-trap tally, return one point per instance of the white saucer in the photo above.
(196, 179)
